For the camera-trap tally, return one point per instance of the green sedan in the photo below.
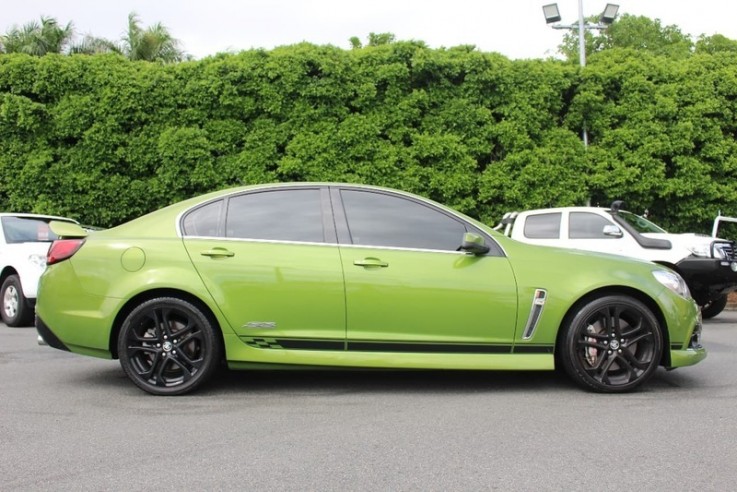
(341, 275)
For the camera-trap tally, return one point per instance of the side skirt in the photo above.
(243, 352)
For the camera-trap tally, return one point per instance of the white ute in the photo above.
(24, 242)
(708, 264)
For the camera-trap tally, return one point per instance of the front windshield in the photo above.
(641, 224)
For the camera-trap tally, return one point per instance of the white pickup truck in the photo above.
(708, 264)
(24, 242)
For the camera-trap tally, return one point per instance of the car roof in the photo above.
(566, 209)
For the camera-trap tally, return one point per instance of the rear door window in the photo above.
(543, 226)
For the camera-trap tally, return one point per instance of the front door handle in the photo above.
(217, 253)
(371, 262)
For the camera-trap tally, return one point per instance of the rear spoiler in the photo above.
(67, 230)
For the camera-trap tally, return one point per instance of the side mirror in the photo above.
(473, 244)
(612, 230)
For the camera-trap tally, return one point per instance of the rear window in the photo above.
(543, 226)
(27, 230)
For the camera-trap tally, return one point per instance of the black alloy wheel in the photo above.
(167, 346)
(613, 344)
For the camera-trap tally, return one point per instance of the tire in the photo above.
(167, 346)
(713, 308)
(15, 309)
(612, 344)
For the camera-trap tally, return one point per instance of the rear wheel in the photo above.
(167, 346)
(712, 308)
(15, 310)
(612, 344)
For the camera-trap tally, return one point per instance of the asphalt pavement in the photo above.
(69, 422)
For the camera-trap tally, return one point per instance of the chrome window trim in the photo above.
(336, 186)
(260, 241)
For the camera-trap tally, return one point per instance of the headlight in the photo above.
(699, 250)
(673, 281)
(38, 260)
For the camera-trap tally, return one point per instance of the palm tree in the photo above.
(92, 45)
(153, 43)
(38, 39)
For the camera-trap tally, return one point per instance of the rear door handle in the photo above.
(217, 253)
(371, 262)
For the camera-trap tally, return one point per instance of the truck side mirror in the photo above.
(612, 230)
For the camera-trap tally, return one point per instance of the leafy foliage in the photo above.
(36, 38)
(105, 139)
(153, 43)
(633, 32)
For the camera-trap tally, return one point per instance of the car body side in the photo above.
(107, 279)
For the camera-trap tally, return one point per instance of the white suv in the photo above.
(706, 263)
(24, 242)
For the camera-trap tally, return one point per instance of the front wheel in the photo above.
(612, 344)
(712, 308)
(167, 346)
(15, 310)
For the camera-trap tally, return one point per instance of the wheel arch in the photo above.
(648, 301)
(148, 295)
(668, 264)
(7, 272)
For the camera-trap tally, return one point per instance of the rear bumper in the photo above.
(47, 337)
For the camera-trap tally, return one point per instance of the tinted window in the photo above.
(377, 219)
(641, 224)
(584, 225)
(281, 215)
(27, 229)
(543, 226)
(204, 221)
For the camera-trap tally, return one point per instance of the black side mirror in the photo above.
(473, 244)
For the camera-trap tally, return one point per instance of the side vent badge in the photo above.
(538, 302)
(261, 325)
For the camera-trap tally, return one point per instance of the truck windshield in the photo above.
(641, 224)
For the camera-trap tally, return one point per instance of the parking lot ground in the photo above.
(70, 422)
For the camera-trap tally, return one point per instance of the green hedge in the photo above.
(104, 139)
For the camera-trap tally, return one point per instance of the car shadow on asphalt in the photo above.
(347, 381)
(386, 381)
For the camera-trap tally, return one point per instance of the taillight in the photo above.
(63, 249)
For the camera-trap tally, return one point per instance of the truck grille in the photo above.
(726, 247)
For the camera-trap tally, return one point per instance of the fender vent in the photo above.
(538, 303)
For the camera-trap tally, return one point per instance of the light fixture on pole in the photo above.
(552, 15)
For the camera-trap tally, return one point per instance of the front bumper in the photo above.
(688, 357)
(708, 278)
(690, 352)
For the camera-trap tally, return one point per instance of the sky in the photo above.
(515, 28)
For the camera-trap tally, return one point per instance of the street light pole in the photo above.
(552, 15)
(582, 60)
(581, 35)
